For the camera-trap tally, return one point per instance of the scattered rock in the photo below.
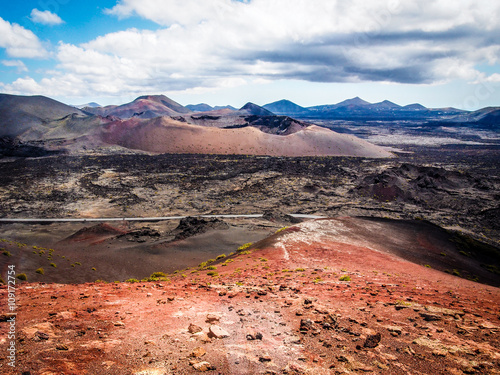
(61, 347)
(41, 335)
(212, 318)
(372, 341)
(198, 352)
(430, 317)
(194, 328)
(217, 332)
(203, 366)
(119, 324)
(265, 358)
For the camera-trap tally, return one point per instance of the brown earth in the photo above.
(320, 297)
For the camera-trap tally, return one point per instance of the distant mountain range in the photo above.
(37, 126)
(359, 109)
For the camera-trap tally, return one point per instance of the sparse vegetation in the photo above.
(245, 246)
(22, 277)
(345, 278)
(40, 271)
(53, 265)
(222, 256)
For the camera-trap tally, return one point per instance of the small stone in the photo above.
(211, 318)
(41, 335)
(217, 332)
(61, 347)
(202, 366)
(198, 352)
(372, 341)
(194, 328)
(265, 358)
(119, 324)
(430, 317)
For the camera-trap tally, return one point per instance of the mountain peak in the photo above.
(285, 107)
(254, 109)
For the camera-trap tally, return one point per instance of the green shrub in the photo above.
(6, 253)
(299, 270)
(93, 269)
(78, 263)
(213, 273)
(40, 271)
(132, 281)
(345, 278)
(222, 256)
(427, 266)
(22, 276)
(211, 268)
(158, 274)
(53, 265)
(245, 246)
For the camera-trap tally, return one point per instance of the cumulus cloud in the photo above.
(46, 17)
(213, 42)
(20, 42)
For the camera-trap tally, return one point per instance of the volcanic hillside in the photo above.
(166, 135)
(144, 107)
(158, 124)
(323, 297)
(21, 113)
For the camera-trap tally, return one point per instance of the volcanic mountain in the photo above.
(285, 107)
(21, 113)
(144, 107)
(158, 124)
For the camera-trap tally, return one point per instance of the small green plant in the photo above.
(93, 269)
(22, 276)
(319, 279)
(245, 246)
(132, 281)
(53, 265)
(222, 256)
(281, 230)
(158, 274)
(78, 263)
(443, 254)
(6, 253)
(211, 268)
(299, 270)
(213, 273)
(345, 278)
(263, 259)
(456, 273)
(40, 271)
(239, 283)
(245, 252)
(427, 266)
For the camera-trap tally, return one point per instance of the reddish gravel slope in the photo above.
(317, 298)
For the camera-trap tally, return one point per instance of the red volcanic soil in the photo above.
(165, 135)
(320, 297)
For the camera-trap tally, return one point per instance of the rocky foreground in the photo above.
(310, 299)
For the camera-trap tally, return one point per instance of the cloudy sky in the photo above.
(436, 52)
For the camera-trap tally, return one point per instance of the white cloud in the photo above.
(46, 17)
(21, 67)
(20, 42)
(213, 43)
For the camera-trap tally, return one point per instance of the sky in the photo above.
(440, 53)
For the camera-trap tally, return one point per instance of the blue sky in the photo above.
(439, 53)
